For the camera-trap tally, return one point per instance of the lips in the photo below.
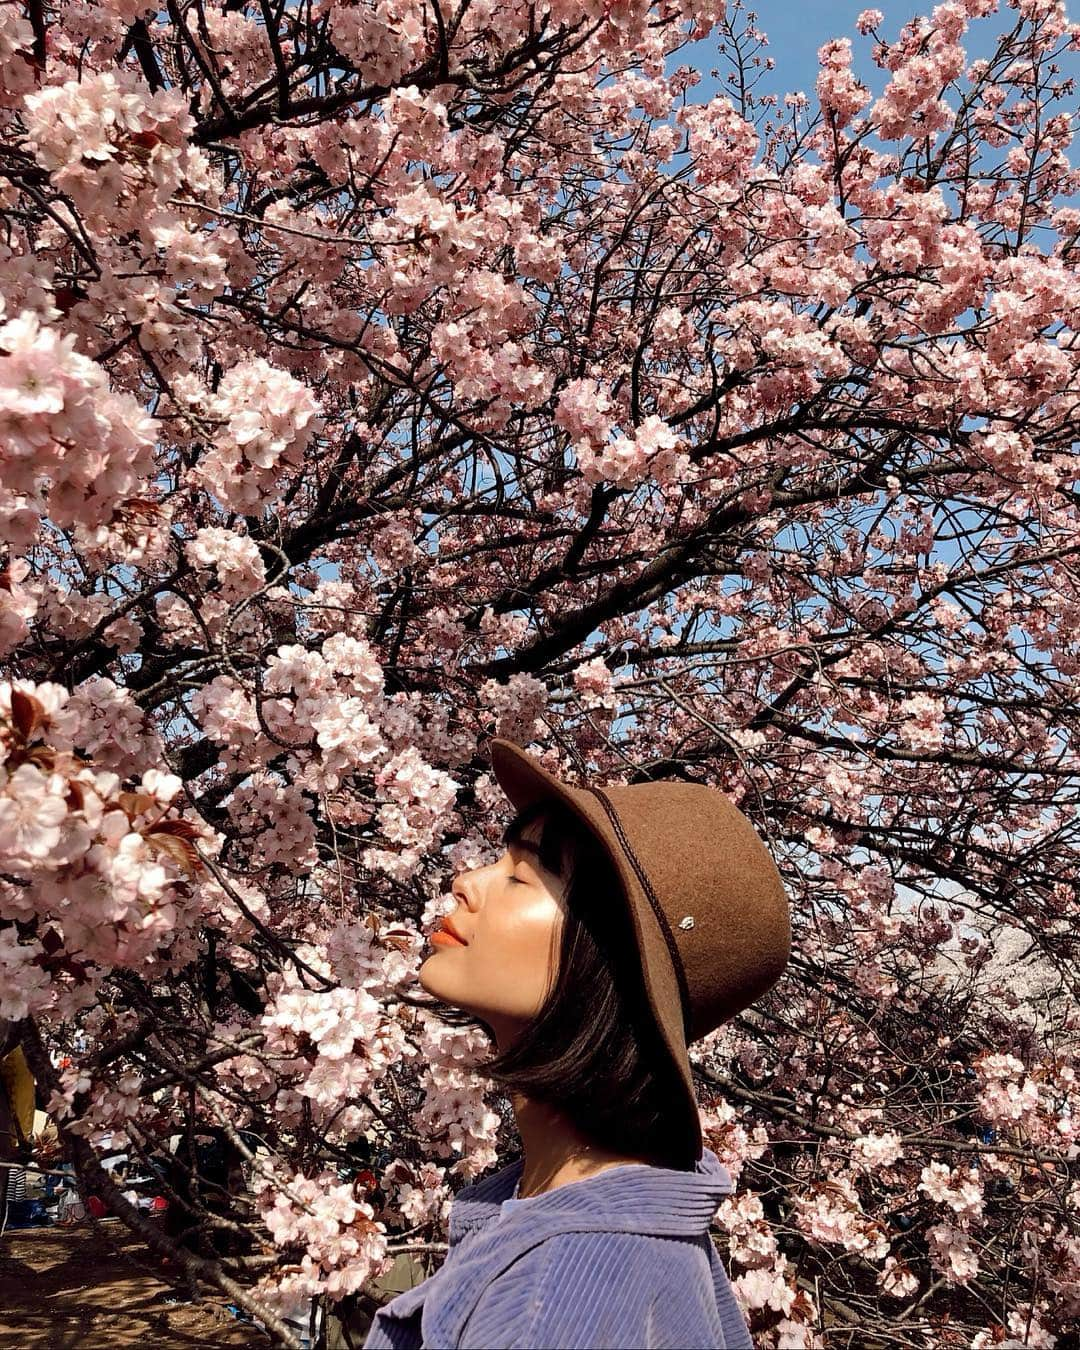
(441, 939)
(446, 927)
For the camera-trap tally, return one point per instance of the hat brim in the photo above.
(525, 781)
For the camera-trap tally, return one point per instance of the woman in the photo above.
(618, 925)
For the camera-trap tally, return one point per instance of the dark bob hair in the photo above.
(593, 1050)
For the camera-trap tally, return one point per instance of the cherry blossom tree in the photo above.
(378, 377)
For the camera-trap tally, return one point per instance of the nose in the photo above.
(462, 889)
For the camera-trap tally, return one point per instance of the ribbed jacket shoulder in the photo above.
(621, 1259)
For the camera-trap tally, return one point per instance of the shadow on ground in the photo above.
(87, 1289)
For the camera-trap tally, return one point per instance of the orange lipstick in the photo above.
(441, 938)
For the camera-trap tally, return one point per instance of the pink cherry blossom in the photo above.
(267, 418)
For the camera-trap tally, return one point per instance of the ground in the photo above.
(81, 1289)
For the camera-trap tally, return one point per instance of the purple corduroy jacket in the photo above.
(620, 1259)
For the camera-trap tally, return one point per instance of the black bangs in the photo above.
(557, 826)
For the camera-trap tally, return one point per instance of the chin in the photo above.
(434, 986)
(446, 990)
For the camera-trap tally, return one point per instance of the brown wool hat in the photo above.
(708, 907)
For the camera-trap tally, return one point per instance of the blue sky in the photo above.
(796, 31)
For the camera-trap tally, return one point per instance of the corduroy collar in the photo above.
(628, 1198)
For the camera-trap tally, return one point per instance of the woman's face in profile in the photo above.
(510, 915)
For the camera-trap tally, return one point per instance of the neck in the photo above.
(555, 1152)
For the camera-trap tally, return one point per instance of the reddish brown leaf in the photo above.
(179, 850)
(27, 713)
(182, 829)
(133, 509)
(135, 803)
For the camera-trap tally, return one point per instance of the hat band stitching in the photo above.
(676, 959)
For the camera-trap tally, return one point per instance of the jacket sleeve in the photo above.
(588, 1291)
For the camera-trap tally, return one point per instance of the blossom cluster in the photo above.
(335, 1044)
(102, 873)
(1006, 1094)
(455, 1117)
(342, 1243)
(70, 447)
(118, 151)
(266, 419)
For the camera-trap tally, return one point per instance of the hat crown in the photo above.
(722, 900)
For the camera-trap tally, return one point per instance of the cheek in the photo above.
(527, 939)
(509, 966)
